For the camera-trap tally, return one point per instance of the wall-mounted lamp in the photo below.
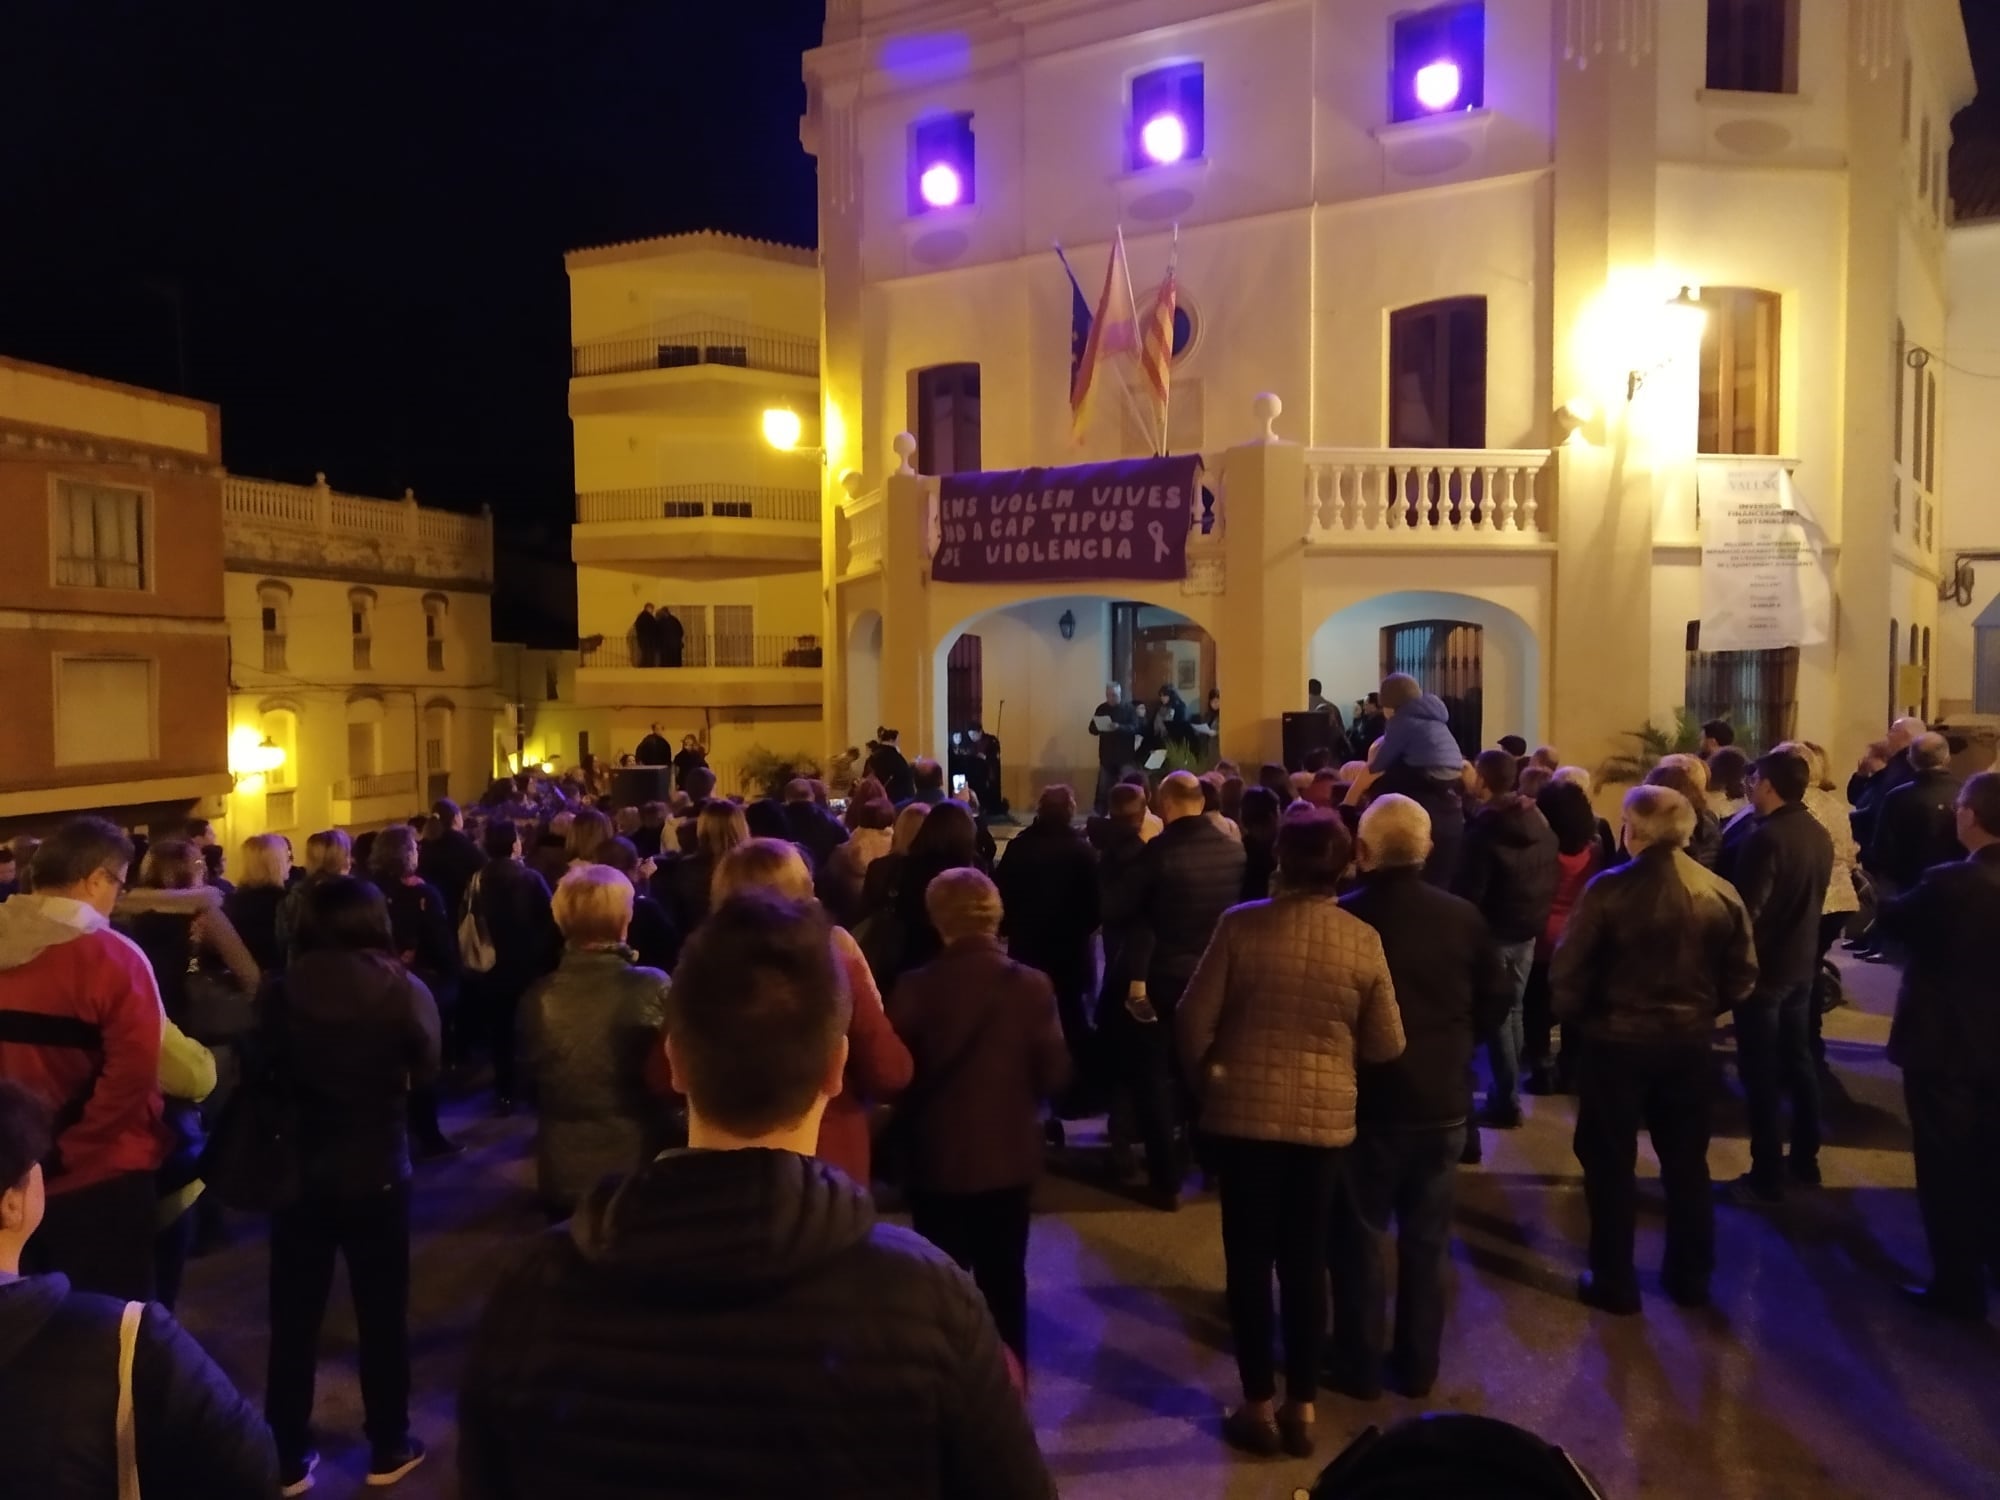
(1681, 323)
(1067, 625)
(252, 757)
(782, 427)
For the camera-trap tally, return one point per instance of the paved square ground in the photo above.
(1808, 1378)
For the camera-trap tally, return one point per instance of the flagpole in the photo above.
(1167, 393)
(1159, 440)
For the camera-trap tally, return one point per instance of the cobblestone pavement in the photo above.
(1808, 1377)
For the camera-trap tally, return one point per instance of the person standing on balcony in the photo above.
(672, 637)
(646, 639)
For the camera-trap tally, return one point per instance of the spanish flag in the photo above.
(1114, 332)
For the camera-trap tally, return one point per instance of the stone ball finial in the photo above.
(1266, 409)
(851, 481)
(905, 446)
(319, 478)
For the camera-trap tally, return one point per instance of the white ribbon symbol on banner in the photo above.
(1158, 533)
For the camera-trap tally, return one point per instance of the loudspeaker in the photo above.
(1306, 732)
(633, 785)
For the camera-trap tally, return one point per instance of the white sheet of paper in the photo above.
(1157, 759)
(1102, 723)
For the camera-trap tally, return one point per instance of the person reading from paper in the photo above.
(1115, 727)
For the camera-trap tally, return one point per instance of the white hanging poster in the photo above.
(1763, 568)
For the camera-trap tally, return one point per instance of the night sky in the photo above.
(362, 208)
(359, 210)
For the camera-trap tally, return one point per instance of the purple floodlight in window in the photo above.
(1164, 138)
(941, 185)
(1437, 85)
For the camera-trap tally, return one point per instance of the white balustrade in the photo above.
(864, 516)
(1462, 497)
(317, 510)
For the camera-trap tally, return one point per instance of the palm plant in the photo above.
(1649, 743)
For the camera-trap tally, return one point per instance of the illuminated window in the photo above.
(1739, 371)
(1166, 123)
(1439, 61)
(941, 164)
(1753, 46)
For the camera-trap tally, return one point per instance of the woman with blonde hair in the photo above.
(718, 828)
(878, 1064)
(870, 835)
(1686, 775)
(588, 832)
(587, 1034)
(257, 903)
(885, 873)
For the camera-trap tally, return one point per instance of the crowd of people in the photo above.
(732, 1021)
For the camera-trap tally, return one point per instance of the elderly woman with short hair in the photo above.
(989, 1052)
(587, 1033)
(1290, 995)
(1653, 952)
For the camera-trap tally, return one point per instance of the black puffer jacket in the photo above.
(197, 1438)
(1191, 874)
(1508, 869)
(1916, 828)
(1450, 988)
(1048, 884)
(736, 1323)
(356, 1033)
(1652, 952)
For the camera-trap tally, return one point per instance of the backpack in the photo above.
(475, 945)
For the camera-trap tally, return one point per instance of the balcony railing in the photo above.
(376, 784)
(689, 502)
(714, 341)
(861, 550)
(274, 652)
(364, 653)
(714, 651)
(279, 523)
(1409, 495)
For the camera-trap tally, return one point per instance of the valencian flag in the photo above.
(1156, 345)
(1114, 331)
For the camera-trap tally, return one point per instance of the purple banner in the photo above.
(1117, 520)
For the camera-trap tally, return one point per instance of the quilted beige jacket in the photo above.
(1289, 991)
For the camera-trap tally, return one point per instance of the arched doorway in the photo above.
(864, 677)
(1482, 658)
(1042, 669)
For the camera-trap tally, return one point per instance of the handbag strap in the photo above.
(128, 1433)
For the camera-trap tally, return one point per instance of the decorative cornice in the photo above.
(58, 444)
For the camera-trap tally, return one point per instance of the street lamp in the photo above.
(1682, 320)
(782, 428)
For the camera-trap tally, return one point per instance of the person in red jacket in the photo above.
(80, 1025)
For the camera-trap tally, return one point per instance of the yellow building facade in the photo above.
(691, 354)
(362, 677)
(1428, 353)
